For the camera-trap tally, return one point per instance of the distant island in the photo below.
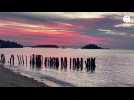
(92, 46)
(45, 46)
(9, 44)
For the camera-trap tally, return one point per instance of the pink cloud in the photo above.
(59, 33)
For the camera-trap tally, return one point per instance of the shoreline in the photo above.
(12, 79)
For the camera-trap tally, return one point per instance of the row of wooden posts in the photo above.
(38, 61)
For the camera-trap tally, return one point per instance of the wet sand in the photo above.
(11, 79)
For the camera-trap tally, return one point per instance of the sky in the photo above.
(69, 29)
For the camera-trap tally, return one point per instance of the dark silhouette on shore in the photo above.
(9, 44)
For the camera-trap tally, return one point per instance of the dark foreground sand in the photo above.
(11, 79)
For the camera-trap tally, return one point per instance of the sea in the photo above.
(114, 68)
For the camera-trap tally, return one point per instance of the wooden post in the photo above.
(12, 60)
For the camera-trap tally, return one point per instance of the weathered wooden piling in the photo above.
(64, 63)
(81, 64)
(19, 59)
(74, 64)
(93, 66)
(26, 61)
(12, 58)
(22, 58)
(46, 62)
(38, 60)
(70, 68)
(88, 65)
(33, 60)
(57, 63)
(3, 59)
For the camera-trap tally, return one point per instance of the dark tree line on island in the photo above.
(10, 44)
(91, 46)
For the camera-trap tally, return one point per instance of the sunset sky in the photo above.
(70, 29)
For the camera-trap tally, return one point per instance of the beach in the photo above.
(11, 79)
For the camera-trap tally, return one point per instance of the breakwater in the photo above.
(57, 63)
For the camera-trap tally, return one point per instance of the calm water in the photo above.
(113, 67)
